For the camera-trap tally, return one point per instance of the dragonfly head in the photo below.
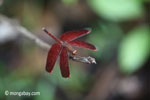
(74, 52)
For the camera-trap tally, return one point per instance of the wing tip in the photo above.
(66, 76)
(95, 49)
(88, 31)
(49, 70)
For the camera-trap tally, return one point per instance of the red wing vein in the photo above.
(64, 65)
(83, 45)
(52, 57)
(72, 35)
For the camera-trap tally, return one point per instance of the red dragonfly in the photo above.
(64, 45)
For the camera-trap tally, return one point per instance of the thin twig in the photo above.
(88, 60)
(32, 37)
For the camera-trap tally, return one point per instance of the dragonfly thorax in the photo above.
(70, 48)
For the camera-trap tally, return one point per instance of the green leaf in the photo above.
(134, 50)
(117, 10)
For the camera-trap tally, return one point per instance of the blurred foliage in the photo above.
(134, 49)
(117, 10)
(111, 22)
(75, 82)
(71, 86)
(106, 37)
(46, 89)
(70, 2)
(31, 15)
(3, 68)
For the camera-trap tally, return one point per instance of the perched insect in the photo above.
(64, 45)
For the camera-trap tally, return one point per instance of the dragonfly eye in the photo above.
(74, 52)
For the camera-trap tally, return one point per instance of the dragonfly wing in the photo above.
(52, 57)
(64, 65)
(72, 35)
(83, 45)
